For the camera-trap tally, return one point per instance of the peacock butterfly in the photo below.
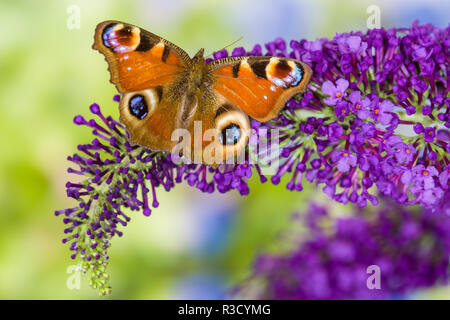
(163, 90)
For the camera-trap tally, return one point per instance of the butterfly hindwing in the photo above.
(259, 86)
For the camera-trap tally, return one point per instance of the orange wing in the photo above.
(137, 59)
(259, 86)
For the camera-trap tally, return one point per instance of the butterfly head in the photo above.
(198, 58)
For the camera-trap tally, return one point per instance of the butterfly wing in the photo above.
(143, 66)
(259, 86)
(138, 59)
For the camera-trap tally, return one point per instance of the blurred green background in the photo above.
(193, 245)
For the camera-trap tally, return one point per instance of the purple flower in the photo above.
(341, 110)
(429, 134)
(351, 44)
(359, 106)
(424, 176)
(381, 112)
(335, 92)
(335, 131)
(423, 183)
(444, 177)
(345, 159)
(405, 153)
(411, 248)
(418, 128)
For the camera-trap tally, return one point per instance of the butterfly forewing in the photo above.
(259, 86)
(138, 59)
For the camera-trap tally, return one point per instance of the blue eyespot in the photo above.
(230, 135)
(138, 106)
(297, 75)
(107, 33)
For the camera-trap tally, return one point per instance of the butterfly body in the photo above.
(164, 90)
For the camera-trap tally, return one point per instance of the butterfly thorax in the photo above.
(199, 71)
(191, 91)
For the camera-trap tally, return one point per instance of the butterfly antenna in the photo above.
(233, 43)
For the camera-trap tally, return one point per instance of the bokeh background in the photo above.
(194, 245)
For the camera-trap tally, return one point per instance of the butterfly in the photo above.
(164, 92)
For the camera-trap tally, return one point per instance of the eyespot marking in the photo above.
(284, 73)
(230, 135)
(120, 38)
(138, 106)
(282, 69)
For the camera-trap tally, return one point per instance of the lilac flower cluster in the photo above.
(375, 118)
(117, 177)
(409, 248)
